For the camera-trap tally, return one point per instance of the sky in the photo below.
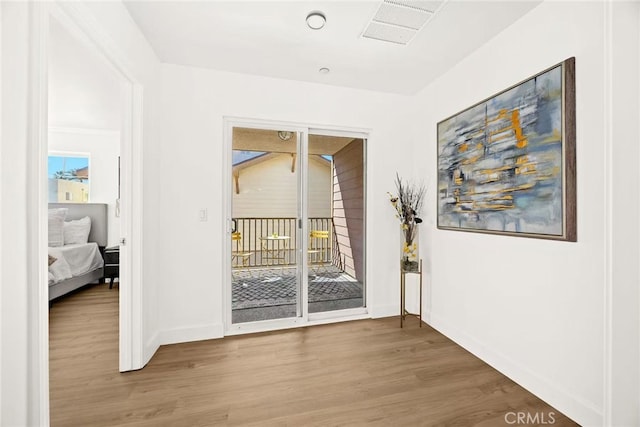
(59, 163)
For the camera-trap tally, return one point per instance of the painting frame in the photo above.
(504, 167)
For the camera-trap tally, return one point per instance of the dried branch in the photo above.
(408, 204)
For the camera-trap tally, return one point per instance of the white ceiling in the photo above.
(270, 38)
(84, 92)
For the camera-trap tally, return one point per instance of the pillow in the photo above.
(77, 231)
(56, 226)
(52, 259)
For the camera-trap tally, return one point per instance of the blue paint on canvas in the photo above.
(500, 162)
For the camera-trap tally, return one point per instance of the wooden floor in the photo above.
(367, 372)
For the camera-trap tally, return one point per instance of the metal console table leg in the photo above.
(403, 311)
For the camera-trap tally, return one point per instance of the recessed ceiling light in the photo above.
(324, 70)
(316, 20)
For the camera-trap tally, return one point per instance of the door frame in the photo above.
(306, 319)
(81, 24)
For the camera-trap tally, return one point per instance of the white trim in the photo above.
(37, 277)
(607, 146)
(298, 322)
(1, 210)
(126, 303)
(365, 225)
(265, 326)
(315, 128)
(84, 131)
(338, 315)
(134, 232)
(191, 333)
(338, 319)
(573, 406)
(387, 310)
(302, 266)
(337, 131)
(64, 153)
(151, 346)
(226, 228)
(638, 236)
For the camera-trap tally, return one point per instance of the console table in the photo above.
(403, 311)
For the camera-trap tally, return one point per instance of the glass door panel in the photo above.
(265, 210)
(335, 200)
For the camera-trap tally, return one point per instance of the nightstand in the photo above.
(111, 263)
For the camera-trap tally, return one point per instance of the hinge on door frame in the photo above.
(300, 223)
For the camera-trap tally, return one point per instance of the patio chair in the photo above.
(318, 249)
(239, 257)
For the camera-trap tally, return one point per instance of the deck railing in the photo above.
(272, 241)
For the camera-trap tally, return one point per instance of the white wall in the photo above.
(543, 326)
(534, 309)
(622, 363)
(84, 92)
(103, 149)
(195, 102)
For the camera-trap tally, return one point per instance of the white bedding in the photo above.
(74, 260)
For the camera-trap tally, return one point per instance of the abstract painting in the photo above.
(506, 165)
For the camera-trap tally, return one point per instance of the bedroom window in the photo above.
(68, 178)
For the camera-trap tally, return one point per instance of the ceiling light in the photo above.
(316, 20)
(284, 135)
(324, 70)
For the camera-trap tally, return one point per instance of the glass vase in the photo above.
(409, 250)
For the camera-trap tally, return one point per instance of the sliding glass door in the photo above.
(335, 194)
(297, 224)
(264, 234)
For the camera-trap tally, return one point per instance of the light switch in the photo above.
(202, 214)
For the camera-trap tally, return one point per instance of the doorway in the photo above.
(125, 168)
(80, 24)
(84, 144)
(296, 229)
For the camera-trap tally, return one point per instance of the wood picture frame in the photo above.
(507, 165)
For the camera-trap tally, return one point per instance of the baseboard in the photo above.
(193, 333)
(583, 412)
(378, 311)
(150, 348)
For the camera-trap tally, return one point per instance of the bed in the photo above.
(77, 264)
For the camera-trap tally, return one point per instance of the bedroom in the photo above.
(84, 121)
(180, 125)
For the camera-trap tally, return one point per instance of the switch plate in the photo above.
(203, 215)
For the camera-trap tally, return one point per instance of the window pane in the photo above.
(68, 179)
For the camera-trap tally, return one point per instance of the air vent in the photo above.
(398, 21)
(389, 33)
(427, 6)
(389, 13)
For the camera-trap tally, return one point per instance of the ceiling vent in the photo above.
(398, 21)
